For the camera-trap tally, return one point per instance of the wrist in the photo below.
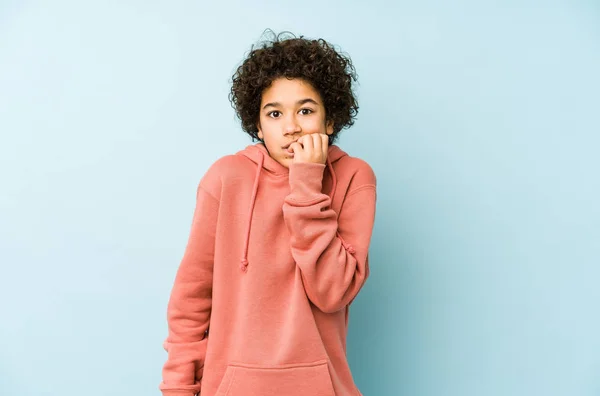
(306, 180)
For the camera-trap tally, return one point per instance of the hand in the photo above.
(312, 148)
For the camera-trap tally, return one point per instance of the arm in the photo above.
(190, 304)
(331, 250)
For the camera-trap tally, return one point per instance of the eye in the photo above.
(274, 114)
(306, 111)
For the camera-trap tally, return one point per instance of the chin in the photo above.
(286, 161)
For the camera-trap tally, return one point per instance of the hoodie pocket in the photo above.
(294, 380)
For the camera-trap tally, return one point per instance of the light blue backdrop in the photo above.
(482, 123)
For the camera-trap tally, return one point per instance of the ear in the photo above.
(329, 128)
(261, 136)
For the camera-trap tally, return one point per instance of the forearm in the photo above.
(189, 308)
(331, 250)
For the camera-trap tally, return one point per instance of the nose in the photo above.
(292, 126)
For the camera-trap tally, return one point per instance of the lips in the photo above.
(287, 146)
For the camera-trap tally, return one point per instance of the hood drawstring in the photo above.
(244, 261)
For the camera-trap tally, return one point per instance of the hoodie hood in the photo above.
(258, 154)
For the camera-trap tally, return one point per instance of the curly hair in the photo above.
(330, 72)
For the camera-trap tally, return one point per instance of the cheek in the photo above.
(266, 128)
(314, 125)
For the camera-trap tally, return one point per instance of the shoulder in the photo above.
(222, 170)
(227, 165)
(359, 170)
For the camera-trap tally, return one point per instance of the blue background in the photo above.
(481, 120)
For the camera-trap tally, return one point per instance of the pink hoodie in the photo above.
(274, 259)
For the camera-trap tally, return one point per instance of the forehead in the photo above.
(289, 91)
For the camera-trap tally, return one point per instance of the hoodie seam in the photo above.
(359, 189)
(288, 366)
(312, 201)
(207, 193)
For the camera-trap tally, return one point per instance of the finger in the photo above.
(302, 139)
(295, 147)
(325, 141)
(307, 142)
(317, 144)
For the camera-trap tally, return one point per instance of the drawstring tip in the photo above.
(351, 250)
(244, 265)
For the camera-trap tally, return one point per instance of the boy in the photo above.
(279, 241)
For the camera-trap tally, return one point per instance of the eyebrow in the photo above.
(299, 103)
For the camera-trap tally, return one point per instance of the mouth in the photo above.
(287, 146)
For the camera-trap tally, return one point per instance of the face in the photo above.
(290, 109)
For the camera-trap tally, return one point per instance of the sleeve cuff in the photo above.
(306, 181)
(180, 393)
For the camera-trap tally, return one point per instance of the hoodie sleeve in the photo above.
(189, 305)
(331, 249)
